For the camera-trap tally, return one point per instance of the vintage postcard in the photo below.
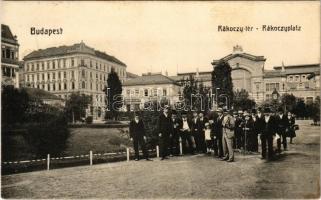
(160, 99)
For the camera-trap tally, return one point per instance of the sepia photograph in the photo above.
(160, 99)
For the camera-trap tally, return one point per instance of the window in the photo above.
(155, 92)
(54, 76)
(48, 65)
(82, 62)
(48, 87)
(12, 55)
(272, 86)
(72, 85)
(303, 78)
(65, 74)
(54, 87)
(65, 86)
(96, 65)
(59, 86)
(83, 74)
(297, 78)
(72, 62)
(101, 77)
(58, 63)
(37, 67)
(83, 85)
(164, 92)
(91, 75)
(7, 53)
(3, 53)
(42, 65)
(146, 93)
(136, 92)
(59, 76)
(72, 74)
(91, 85)
(64, 63)
(290, 78)
(53, 64)
(91, 63)
(43, 77)
(38, 77)
(31, 67)
(32, 77)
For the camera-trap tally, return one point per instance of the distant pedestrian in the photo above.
(165, 130)
(208, 138)
(202, 121)
(175, 135)
(195, 130)
(228, 135)
(282, 123)
(269, 128)
(218, 134)
(137, 135)
(187, 136)
(290, 130)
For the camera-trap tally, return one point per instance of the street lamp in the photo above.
(216, 96)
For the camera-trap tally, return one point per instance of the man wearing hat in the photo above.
(282, 123)
(218, 133)
(249, 135)
(228, 124)
(137, 135)
(269, 129)
(187, 136)
(175, 136)
(256, 129)
(238, 130)
(165, 130)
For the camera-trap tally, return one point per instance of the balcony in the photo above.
(10, 61)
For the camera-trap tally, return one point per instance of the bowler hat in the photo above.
(219, 110)
(267, 110)
(240, 112)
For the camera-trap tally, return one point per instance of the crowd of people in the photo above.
(220, 134)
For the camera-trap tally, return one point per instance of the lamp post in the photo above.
(275, 96)
(216, 96)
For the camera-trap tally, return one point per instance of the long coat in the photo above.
(136, 130)
(165, 125)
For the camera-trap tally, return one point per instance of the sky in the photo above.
(170, 36)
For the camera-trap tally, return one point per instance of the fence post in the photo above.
(91, 157)
(180, 147)
(48, 161)
(127, 152)
(157, 151)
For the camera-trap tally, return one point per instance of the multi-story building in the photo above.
(77, 68)
(9, 57)
(149, 87)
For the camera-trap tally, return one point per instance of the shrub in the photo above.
(49, 137)
(89, 120)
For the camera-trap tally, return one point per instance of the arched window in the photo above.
(83, 85)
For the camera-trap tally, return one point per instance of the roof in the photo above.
(131, 75)
(299, 69)
(151, 79)
(243, 55)
(7, 36)
(271, 73)
(72, 49)
(41, 94)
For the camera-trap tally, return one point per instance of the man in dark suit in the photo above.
(282, 123)
(137, 135)
(195, 130)
(187, 137)
(218, 133)
(269, 129)
(165, 130)
(175, 136)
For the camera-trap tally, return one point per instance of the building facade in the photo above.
(249, 73)
(9, 57)
(149, 87)
(77, 68)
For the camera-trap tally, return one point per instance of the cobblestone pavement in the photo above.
(296, 174)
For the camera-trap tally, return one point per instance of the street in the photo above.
(296, 174)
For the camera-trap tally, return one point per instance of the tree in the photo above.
(242, 101)
(76, 106)
(300, 108)
(113, 93)
(221, 78)
(289, 101)
(14, 105)
(190, 89)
